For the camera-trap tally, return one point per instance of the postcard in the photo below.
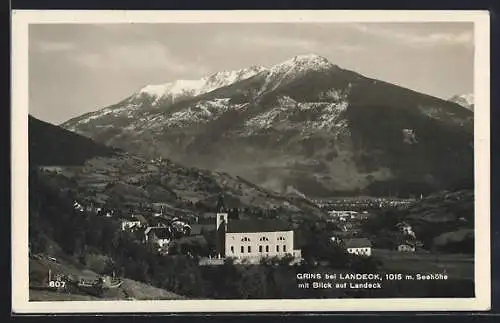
(250, 161)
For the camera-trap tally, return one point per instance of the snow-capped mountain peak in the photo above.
(174, 88)
(311, 58)
(287, 70)
(304, 62)
(181, 88)
(226, 78)
(295, 67)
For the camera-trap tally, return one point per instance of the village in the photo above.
(215, 236)
(143, 241)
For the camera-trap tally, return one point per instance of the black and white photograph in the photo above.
(250, 161)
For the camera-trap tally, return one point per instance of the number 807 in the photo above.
(57, 284)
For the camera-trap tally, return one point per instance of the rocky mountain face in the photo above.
(304, 126)
(465, 100)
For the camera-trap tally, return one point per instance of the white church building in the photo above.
(253, 240)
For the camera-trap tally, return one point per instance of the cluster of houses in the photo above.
(157, 227)
(243, 240)
(91, 208)
(160, 231)
(152, 210)
(249, 240)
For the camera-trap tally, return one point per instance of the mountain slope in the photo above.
(465, 100)
(304, 125)
(109, 176)
(52, 145)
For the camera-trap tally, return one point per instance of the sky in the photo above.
(78, 68)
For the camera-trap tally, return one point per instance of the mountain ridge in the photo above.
(304, 124)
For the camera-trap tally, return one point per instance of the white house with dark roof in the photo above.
(407, 246)
(134, 222)
(130, 224)
(359, 246)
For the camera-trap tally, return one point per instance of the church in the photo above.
(252, 240)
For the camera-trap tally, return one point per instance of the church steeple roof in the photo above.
(221, 207)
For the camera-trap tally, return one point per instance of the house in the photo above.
(343, 214)
(130, 224)
(359, 246)
(180, 227)
(134, 222)
(158, 235)
(406, 246)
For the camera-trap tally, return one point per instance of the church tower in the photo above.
(221, 222)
